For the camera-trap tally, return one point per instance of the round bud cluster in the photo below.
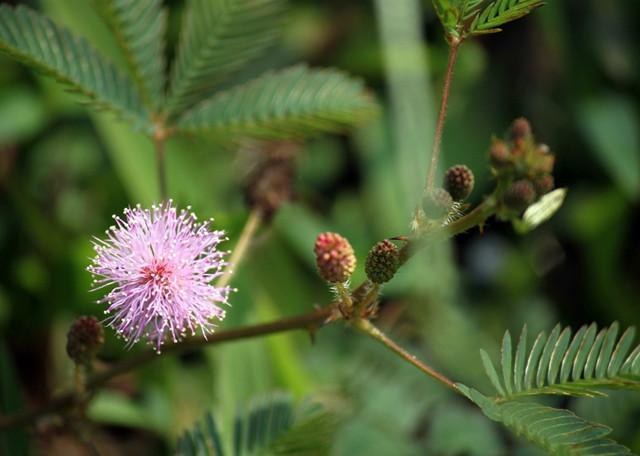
(458, 181)
(84, 339)
(382, 262)
(519, 195)
(437, 203)
(335, 258)
(523, 168)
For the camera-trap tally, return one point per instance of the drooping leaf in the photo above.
(139, 27)
(541, 211)
(562, 365)
(499, 12)
(290, 103)
(560, 432)
(219, 37)
(43, 45)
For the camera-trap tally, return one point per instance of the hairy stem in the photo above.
(454, 45)
(372, 331)
(242, 246)
(370, 297)
(308, 321)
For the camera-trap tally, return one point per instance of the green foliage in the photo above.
(499, 12)
(288, 103)
(219, 37)
(37, 41)
(461, 18)
(139, 28)
(558, 431)
(561, 365)
(273, 426)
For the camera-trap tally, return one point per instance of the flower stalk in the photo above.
(454, 45)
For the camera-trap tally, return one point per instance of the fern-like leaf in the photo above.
(139, 27)
(290, 103)
(560, 432)
(42, 44)
(470, 8)
(581, 365)
(273, 426)
(218, 38)
(499, 12)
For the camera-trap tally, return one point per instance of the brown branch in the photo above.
(372, 331)
(454, 45)
(308, 321)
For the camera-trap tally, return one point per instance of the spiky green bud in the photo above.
(382, 262)
(335, 258)
(84, 339)
(458, 181)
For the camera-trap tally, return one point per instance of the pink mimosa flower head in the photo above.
(160, 264)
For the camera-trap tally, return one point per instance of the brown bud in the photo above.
(382, 262)
(459, 181)
(84, 339)
(270, 184)
(520, 129)
(335, 258)
(519, 195)
(499, 154)
(543, 184)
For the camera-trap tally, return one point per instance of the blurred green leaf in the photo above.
(611, 124)
(291, 103)
(456, 430)
(22, 114)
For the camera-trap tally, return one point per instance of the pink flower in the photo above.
(160, 264)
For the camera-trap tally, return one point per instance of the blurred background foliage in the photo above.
(572, 68)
